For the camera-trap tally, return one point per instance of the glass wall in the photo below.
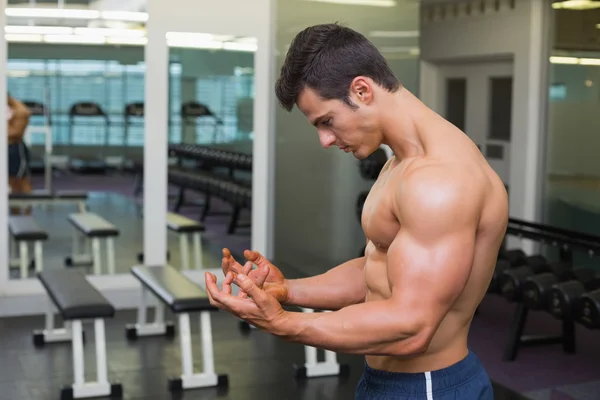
(316, 226)
(572, 193)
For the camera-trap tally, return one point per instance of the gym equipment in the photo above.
(506, 260)
(535, 288)
(587, 309)
(313, 368)
(566, 242)
(99, 163)
(510, 280)
(183, 297)
(191, 113)
(23, 231)
(563, 296)
(93, 229)
(46, 198)
(186, 229)
(77, 301)
(360, 202)
(371, 166)
(40, 111)
(133, 117)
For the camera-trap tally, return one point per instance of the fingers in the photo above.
(261, 276)
(256, 258)
(227, 283)
(226, 252)
(246, 268)
(253, 291)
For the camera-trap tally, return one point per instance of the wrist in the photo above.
(287, 325)
(288, 300)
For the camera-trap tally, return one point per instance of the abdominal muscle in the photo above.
(449, 343)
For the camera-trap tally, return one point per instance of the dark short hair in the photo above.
(326, 58)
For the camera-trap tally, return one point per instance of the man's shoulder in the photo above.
(434, 187)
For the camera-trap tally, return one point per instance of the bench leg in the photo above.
(38, 256)
(14, 253)
(142, 328)
(51, 334)
(101, 387)
(110, 255)
(184, 252)
(96, 259)
(197, 250)
(79, 253)
(314, 368)
(189, 379)
(24, 259)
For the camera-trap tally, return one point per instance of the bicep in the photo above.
(430, 261)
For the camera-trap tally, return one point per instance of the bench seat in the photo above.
(93, 225)
(25, 228)
(49, 196)
(177, 291)
(74, 296)
(180, 224)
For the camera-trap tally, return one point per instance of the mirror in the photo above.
(84, 141)
(211, 105)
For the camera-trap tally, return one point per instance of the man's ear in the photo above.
(361, 90)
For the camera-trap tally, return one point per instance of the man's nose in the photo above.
(327, 139)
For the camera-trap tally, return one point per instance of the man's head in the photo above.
(335, 75)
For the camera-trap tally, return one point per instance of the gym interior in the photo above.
(156, 140)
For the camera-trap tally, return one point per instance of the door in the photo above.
(477, 98)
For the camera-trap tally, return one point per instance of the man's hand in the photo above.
(258, 308)
(266, 276)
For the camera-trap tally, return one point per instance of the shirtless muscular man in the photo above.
(434, 221)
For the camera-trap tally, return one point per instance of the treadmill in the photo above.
(192, 113)
(133, 117)
(39, 124)
(92, 164)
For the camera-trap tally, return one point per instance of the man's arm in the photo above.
(429, 264)
(17, 124)
(337, 288)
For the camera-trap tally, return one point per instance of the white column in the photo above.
(3, 156)
(155, 140)
(263, 168)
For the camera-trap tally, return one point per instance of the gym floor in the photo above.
(260, 366)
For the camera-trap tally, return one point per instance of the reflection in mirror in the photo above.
(81, 151)
(211, 97)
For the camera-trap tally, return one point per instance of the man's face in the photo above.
(351, 130)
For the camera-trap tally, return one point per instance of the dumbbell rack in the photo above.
(566, 242)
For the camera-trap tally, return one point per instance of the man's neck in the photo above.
(402, 125)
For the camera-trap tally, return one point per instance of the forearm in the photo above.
(335, 289)
(372, 328)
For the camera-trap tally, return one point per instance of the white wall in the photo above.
(521, 34)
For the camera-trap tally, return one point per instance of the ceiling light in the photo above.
(394, 34)
(131, 41)
(74, 39)
(589, 61)
(39, 30)
(564, 60)
(128, 16)
(110, 32)
(186, 36)
(195, 44)
(373, 3)
(236, 46)
(576, 5)
(18, 37)
(31, 12)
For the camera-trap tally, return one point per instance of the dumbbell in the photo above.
(587, 309)
(563, 295)
(506, 260)
(535, 288)
(511, 279)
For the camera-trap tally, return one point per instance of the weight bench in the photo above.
(77, 300)
(45, 197)
(93, 229)
(183, 296)
(23, 231)
(187, 229)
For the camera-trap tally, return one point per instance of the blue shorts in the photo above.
(465, 380)
(18, 160)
